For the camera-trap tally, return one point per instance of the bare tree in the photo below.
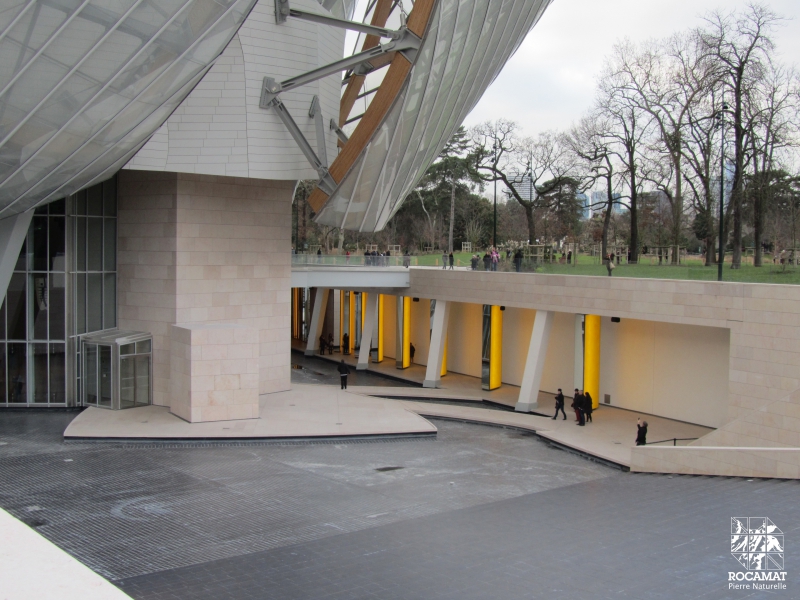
(499, 154)
(741, 46)
(664, 79)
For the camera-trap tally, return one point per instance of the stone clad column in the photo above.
(436, 355)
(534, 364)
(367, 333)
(197, 249)
(317, 320)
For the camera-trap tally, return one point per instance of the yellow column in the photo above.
(496, 349)
(363, 309)
(352, 324)
(406, 331)
(444, 358)
(380, 327)
(591, 357)
(341, 320)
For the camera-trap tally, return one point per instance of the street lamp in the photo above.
(494, 235)
(721, 117)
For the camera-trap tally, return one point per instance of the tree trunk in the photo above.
(758, 210)
(634, 211)
(452, 215)
(677, 210)
(607, 219)
(531, 224)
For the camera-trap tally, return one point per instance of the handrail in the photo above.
(673, 440)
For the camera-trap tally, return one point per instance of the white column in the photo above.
(433, 372)
(369, 328)
(534, 363)
(337, 300)
(12, 233)
(317, 321)
(578, 372)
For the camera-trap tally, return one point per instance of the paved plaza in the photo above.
(478, 512)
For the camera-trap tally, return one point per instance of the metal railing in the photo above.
(354, 260)
(673, 440)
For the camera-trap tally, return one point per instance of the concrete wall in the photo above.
(763, 320)
(199, 248)
(665, 369)
(464, 332)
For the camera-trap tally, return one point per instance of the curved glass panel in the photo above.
(467, 44)
(84, 83)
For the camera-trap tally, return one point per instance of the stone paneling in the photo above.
(200, 249)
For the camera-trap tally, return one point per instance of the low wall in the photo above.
(782, 463)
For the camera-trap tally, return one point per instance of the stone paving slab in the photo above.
(306, 411)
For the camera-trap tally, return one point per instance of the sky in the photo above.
(549, 83)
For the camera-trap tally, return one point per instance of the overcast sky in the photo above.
(550, 81)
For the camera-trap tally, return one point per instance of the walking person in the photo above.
(450, 258)
(610, 264)
(580, 403)
(406, 259)
(474, 262)
(588, 406)
(495, 259)
(444, 260)
(344, 371)
(346, 344)
(641, 432)
(322, 343)
(518, 260)
(412, 351)
(330, 343)
(487, 261)
(560, 405)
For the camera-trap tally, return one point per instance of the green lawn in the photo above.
(693, 269)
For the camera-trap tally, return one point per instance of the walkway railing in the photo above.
(673, 440)
(335, 260)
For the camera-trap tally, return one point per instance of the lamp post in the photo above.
(494, 234)
(721, 117)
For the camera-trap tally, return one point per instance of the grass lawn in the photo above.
(693, 269)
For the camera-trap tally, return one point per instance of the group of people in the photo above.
(447, 259)
(581, 404)
(583, 407)
(326, 344)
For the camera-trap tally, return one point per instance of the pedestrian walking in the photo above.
(495, 259)
(560, 405)
(641, 432)
(518, 260)
(610, 264)
(444, 260)
(346, 344)
(344, 371)
(322, 343)
(588, 406)
(450, 258)
(412, 351)
(487, 261)
(474, 261)
(406, 259)
(580, 403)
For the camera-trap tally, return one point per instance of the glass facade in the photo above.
(64, 284)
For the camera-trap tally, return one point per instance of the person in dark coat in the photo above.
(322, 343)
(588, 406)
(474, 260)
(346, 344)
(330, 343)
(412, 351)
(450, 258)
(344, 371)
(560, 405)
(518, 260)
(641, 432)
(576, 404)
(487, 261)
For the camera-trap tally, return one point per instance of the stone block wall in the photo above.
(214, 372)
(205, 249)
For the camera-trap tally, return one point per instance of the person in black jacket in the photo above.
(576, 404)
(641, 432)
(518, 260)
(560, 405)
(344, 371)
(346, 344)
(588, 406)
